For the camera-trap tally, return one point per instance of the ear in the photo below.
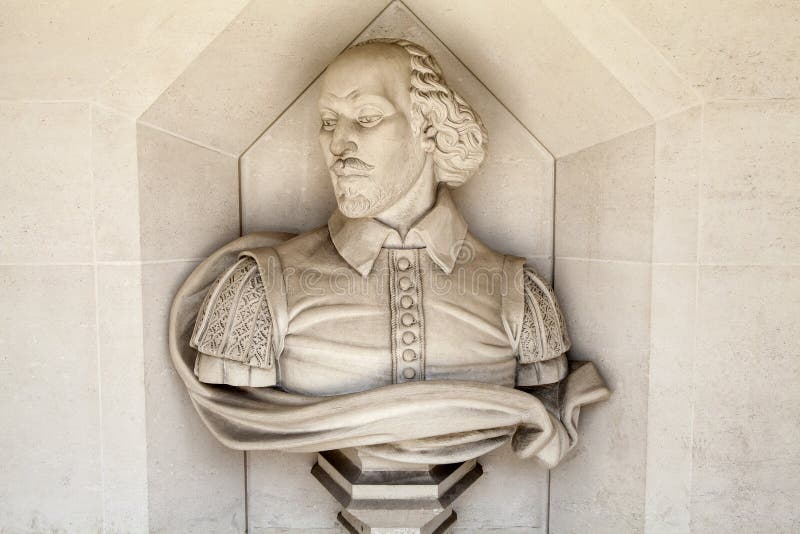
(423, 127)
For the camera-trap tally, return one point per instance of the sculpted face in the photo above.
(372, 143)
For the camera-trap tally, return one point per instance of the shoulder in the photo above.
(306, 246)
(476, 252)
(544, 332)
(234, 321)
(307, 241)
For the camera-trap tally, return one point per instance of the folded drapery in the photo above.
(419, 422)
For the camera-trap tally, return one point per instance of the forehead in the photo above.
(377, 69)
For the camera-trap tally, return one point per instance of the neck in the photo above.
(414, 204)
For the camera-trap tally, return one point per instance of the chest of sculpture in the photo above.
(325, 327)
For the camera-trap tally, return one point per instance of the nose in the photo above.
(343, 142)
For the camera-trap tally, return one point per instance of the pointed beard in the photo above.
(355, 207)
(358, 198)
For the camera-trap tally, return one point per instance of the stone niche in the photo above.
(234, 138)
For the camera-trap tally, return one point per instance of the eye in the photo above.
(370, 120)
(328, 123)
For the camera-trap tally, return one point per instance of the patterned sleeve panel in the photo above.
(544, 334)
(234, 327)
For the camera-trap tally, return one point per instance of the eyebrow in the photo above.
(353, 98)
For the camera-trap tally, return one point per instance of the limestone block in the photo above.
(504, 530)
(195, 484)
(255, 68)
(189, 197)
(669, 402)
(51, 474)
(122, 398)
(65, 50)
(536, 67)
(165, 54)
(270, 530)
(738, 50)
(282, 493)
(600, 488)
(116, 186)
(750, 193)
(511, 494)
(285, 184)
(604, 200)
(675, 196)
(618, 319)
(745, 468)
(46, 190)
(605, 32)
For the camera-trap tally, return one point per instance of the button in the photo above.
(405, 283)
(409, 355)
(409, 338)
(409, 373)
(407, 319)
(403, 264)
(406, 302)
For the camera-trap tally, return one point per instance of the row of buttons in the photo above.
(410, 314)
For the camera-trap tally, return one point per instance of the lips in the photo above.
(350, 167)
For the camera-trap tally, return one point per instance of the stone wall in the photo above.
(643, 157)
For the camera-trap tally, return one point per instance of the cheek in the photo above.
(325, 143)
(391, 140)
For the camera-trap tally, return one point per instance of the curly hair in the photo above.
(461, 138)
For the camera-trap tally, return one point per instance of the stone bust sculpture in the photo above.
(391, 330)
(390, 339)
(394, 288)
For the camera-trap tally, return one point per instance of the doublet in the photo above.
(353, 306)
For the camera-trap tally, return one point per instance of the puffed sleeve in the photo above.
(233, 331)
(543, 340)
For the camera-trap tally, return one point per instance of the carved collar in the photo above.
(440, 232)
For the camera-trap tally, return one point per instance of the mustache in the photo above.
(340, 165)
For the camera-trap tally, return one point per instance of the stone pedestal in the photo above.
(383, 497)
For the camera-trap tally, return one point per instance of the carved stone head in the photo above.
(389, 121)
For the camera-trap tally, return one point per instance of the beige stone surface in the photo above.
(745, 469)
(189, 197)
(286, 187)
(678, 153)
(122, 398)
(116, 186)
(215, 104)
(725, 49)
(576, 74)
(536, 67)
(282, 493)
(46, 190)
(195, 484)
(600, 487)
(51, 469)
(160, 58)
(670, 398)
(618, 319)
(65, 50)
(604, 200)
(285, 183)
(502, 530)
(511, 494)
(750, 193)
(622, 49)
